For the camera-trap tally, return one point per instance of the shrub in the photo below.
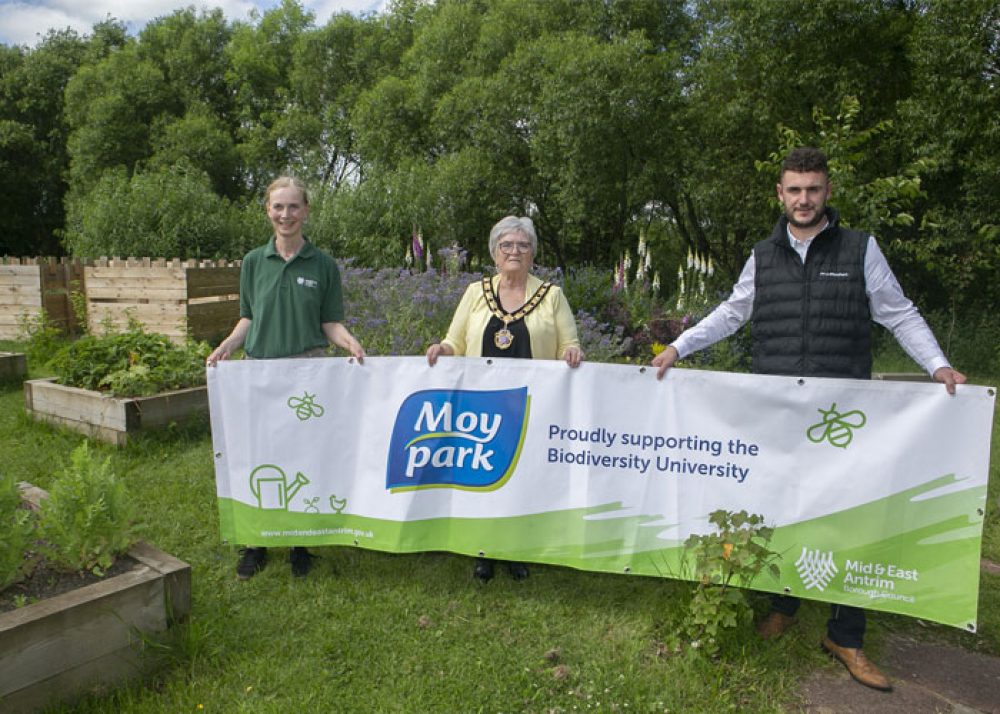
(132, 363)
(169, 211)
(88, 518)
(724, 563)
(17, 525)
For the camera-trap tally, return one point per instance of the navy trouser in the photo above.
(846, 626)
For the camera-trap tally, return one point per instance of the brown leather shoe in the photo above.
(774, 625)
(858, 665)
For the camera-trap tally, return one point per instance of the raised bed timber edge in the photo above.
(53, 650)
(110, 419)
(13, 367)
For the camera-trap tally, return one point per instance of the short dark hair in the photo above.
(805, 159)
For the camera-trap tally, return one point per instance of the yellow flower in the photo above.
(657, 348)
(727, 548)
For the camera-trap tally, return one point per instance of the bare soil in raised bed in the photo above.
(45, 582)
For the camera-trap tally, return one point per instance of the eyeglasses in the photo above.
(508, 247)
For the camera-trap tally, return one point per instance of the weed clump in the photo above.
(88, 518)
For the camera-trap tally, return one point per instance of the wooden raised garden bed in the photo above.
(110, 419)
(13, 367)
(55, 649)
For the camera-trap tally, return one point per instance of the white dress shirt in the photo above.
(888, 305)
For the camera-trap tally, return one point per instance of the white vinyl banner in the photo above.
(876, 489)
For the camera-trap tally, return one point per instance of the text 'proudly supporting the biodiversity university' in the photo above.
(666, 453)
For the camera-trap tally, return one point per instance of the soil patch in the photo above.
(45, 582)
(990, 567)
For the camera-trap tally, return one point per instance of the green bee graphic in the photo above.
(305, 407)
(836, 428)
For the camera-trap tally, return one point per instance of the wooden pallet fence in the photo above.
(27, 285)
(170, 297)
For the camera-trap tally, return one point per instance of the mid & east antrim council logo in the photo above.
(447, 438)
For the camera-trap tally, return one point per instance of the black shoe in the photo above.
(301, 560)
(518, 571)
(483, 572)
(252, 561)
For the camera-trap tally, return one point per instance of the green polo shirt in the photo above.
(288, 301)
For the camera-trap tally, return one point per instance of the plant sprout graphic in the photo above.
(305, 407)
(336, 504)
(836, 428)
(311, 506)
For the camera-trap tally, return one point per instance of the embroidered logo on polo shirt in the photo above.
(307, 282)
(825, 274)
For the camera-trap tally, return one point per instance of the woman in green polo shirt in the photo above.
(290, 306)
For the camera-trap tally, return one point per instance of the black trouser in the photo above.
(846, 626)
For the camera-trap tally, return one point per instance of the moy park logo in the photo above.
(447, 438)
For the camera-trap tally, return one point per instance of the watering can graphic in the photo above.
(271, 488)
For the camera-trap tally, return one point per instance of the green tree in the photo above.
(33, 156)
(200, 124)
(875, 204)
(327, 74)
(112, 108)
(761, 63)
(259, 64)
(558, 110)
(954, 118)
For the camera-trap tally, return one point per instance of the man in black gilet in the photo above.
(811, 291)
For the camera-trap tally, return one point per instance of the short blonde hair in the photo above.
(287, 182)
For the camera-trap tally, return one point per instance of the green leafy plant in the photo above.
(131, 363)
(88, 518)
(725, 562)
(17, 526)
(78, 302)
(41, 335)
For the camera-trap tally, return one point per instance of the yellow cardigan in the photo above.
(550, 325)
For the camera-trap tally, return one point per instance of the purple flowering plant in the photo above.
(398, 312)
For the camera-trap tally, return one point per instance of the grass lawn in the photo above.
(377, 632)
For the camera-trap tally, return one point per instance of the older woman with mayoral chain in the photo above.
(290, 306)
(512, 314)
